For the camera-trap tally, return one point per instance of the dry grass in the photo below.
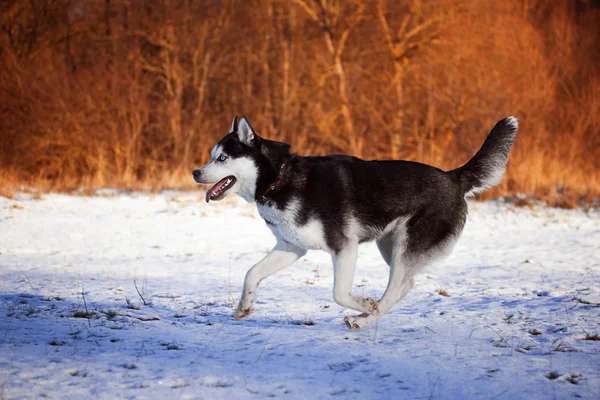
(586, 302)
(305, 322)
(595, 337)
(84, 314)
(134, 94)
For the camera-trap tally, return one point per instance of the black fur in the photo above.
(335, 188)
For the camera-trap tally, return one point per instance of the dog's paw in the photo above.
(373, 306)
(242, 313)
(356, 322)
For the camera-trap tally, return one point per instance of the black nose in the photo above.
(196, 173)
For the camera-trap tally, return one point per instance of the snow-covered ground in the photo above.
(523, 290)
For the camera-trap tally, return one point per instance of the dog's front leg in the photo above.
(283, 255)
(344, 264)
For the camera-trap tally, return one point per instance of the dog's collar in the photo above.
(273, 186)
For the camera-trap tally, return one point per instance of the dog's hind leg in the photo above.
(398, 287)
(391, 247)
(344, 265)
(283, 255)
(399, 283)
(413, 248)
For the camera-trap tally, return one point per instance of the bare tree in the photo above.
(416, 30)
(327, 15)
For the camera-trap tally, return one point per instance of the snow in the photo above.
(523, 290)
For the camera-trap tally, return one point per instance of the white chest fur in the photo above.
(282, 224)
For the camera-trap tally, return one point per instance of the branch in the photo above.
(418, 28)
(308, 10)
(346, 33)
(386, 31)
(138, 292)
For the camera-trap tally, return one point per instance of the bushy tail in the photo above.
(486, 168)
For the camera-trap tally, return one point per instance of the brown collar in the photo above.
(273, 186)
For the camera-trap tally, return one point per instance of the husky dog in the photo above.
(414, 212)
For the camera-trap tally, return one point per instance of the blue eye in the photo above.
(223, 157)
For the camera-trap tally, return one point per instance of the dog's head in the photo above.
(242, 163)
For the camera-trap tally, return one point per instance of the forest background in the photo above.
(134, 94)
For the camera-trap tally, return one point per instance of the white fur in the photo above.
(513, 122)
(312, 236)
(216, 151)
(344, 265)
(282, 255)
(246, 174)
(244, 169)
(283, 224)
(354, 230)
(245, 132)
(494, 177)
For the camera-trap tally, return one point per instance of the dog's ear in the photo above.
(233, 125)
(245, 132)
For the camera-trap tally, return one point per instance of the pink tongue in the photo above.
(215, 188)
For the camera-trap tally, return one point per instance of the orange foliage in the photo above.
(135, 93)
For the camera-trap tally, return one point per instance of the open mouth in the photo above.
(217, 192)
